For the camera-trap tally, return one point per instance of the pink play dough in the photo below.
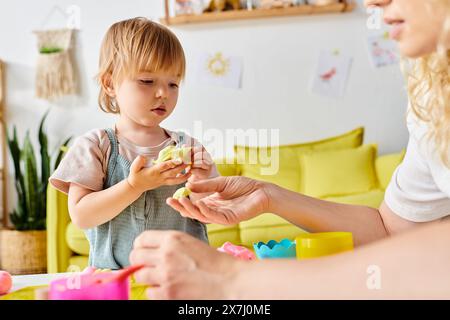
(237, 251)
(5, 282)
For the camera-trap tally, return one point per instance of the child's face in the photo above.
(416, 24)
(149, 98)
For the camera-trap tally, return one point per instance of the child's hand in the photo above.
(164, 173)
(202, 164)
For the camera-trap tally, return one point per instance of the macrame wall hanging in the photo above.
(55, 71)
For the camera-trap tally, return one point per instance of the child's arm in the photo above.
(89, 209)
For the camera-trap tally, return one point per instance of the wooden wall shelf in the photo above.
(256, 13)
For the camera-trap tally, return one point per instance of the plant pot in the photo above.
(23, 252)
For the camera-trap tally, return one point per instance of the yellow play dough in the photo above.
(182, 192)
(172, 153)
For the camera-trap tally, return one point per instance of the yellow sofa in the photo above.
(339, 169)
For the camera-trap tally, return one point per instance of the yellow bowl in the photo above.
(313, 245)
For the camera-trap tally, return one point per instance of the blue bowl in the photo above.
(275, 250)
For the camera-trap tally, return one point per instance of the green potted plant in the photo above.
(23, 250)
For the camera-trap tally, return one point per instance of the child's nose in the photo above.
(161, 92)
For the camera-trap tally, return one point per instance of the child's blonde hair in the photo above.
(429, 90)
(137, 45)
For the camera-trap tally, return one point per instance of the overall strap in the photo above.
(181, 138)
(114, 151)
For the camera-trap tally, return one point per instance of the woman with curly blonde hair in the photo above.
(406, 241)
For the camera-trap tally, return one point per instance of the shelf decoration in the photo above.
(201, 11)
(269, 4)
(188, 7)
(222, 5)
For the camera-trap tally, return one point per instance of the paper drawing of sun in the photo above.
(218, 65)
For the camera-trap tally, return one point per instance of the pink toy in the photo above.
(5, 282)
(237, 251)
(90, 285)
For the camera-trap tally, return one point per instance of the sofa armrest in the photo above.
(385, 166)
(58, 253)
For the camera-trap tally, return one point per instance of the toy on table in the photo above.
(273, 249)
(237, 251)
(93, 285)
(314, 245)
(5, 282)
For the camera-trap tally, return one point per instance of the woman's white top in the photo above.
(419, 190)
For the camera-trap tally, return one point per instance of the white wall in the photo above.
(279, 58)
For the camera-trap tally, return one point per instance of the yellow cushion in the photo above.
(372, 198)
(339, 172)
(58, 253)
(386, 165)
(218, 234)
(267, 227)
(227, 167)
(263, 220)
(284, 168)
(351, 139)
(76, 240)
(284, 172)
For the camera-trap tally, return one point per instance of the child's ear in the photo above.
(107, 84)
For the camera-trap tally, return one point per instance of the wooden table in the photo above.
(23, 281)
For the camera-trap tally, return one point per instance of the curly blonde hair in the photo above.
(429, 91)
(136, 45)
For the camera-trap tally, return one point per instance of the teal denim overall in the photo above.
(112, 242)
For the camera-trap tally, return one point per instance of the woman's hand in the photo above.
(178, 266)
(234, 199)
(165, 173)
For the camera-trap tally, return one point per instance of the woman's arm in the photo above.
(412, 265)
(367, 224)
(236, 199)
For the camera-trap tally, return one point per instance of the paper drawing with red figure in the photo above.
(328, 75)
(331, 74)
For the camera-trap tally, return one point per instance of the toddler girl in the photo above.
(115, 192)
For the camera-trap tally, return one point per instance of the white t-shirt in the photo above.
(419, 190)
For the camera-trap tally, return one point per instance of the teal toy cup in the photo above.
(275, 250)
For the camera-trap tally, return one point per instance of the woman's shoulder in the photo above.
(417, 127)
(423, 144)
